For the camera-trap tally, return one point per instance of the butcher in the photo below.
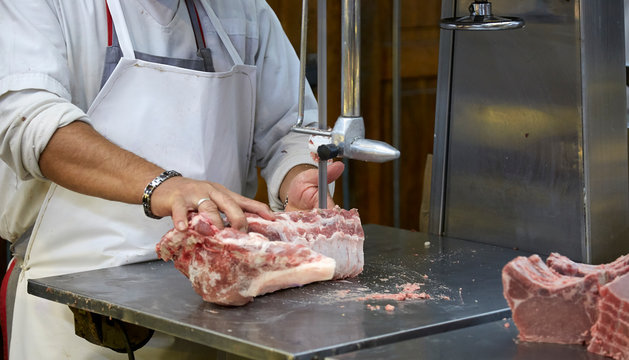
(117, 118)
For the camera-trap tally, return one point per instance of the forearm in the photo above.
(40, 138)
(80, 159)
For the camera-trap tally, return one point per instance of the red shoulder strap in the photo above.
(109, 26)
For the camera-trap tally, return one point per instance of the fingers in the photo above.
(233, 205)
(304, 190)
(335, 170)
(256, 207)
(235, 215)
(179, 197)
(210, 209)
(330, 202)
(180, 215)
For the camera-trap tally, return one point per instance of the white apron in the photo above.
(198, 123)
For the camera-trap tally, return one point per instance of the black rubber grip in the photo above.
(327, 152)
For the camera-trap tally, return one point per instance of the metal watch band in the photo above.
(285, 203)
(148, 191)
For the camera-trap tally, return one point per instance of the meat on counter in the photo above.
(565, 302)
(230, 267)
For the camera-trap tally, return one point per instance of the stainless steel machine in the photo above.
(530, 136)
(347, 138)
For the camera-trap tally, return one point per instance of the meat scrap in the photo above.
(230, 267)
(565, 302)
(408, 292)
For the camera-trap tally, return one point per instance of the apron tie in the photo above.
(3, 309)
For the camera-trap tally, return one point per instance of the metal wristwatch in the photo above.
(148, 191)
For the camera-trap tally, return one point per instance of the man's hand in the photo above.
(303, 189)
(177, 196)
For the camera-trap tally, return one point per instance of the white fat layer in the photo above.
(300, 275)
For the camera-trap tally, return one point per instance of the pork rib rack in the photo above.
(335, 233)
(229, 267)
(562, 301)
(547, 306)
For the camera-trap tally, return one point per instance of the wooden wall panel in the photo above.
(371, 184)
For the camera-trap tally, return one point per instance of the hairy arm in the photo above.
(80, 159)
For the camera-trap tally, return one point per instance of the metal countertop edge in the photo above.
(419, 332)
(154, 322)
(163, 325)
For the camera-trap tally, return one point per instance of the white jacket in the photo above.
(51, 64)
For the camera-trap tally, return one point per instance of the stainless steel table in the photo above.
(496, 340)
(317, 320)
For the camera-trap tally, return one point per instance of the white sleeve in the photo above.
(28, 120)
(35, 82)
(33, 48)
(275, 148)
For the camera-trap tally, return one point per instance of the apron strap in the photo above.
(196, 24)
(112, 39)
(222, 33)
(109, 26)
(202, 52)
(121, 29)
